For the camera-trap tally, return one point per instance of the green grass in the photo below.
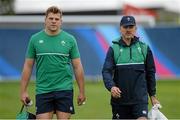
(97, 105)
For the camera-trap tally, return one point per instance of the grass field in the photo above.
(97, 105)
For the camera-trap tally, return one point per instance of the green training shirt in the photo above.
(53, 55)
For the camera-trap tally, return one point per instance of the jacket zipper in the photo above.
(130, 50)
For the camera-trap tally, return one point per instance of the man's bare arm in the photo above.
(79, 75)
(26, 75)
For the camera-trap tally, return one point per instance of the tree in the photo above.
(6, 7)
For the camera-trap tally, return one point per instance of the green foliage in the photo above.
(6, 7)
(97, 105)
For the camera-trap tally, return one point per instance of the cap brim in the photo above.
(128, 24)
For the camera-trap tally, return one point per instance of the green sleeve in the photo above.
(31, 53)
(74, 53)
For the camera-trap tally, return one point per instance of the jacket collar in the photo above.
(122, 43)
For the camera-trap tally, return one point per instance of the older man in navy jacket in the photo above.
(129, 73)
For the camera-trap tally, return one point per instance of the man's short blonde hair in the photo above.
(53, 9)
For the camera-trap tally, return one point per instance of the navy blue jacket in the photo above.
(135, 81)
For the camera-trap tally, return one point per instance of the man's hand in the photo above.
(115, 92)
(154, 100)
(25, 98)
(81, 99)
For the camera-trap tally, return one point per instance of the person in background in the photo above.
(129, 73)
(53, 50)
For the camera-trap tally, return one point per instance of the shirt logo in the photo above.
(139, 49)
(41, 41)
(63, 43)
(121, 50)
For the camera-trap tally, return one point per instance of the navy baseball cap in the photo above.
(127, 20)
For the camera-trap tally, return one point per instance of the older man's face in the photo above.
(128, 32)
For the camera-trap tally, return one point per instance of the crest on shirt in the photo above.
(139, 49)
(63, 43)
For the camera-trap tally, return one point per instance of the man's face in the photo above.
(128, 32)
(53, 22)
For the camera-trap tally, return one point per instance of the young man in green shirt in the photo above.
(53, 49)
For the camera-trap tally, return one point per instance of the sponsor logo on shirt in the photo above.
(41, 41)
(121, 50)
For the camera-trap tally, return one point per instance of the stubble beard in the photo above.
(129, 37)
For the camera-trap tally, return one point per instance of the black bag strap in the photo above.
(22, 108)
